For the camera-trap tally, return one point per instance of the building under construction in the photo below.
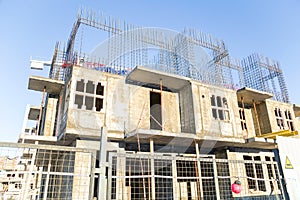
(151, 113)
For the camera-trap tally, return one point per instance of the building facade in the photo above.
(182, 126)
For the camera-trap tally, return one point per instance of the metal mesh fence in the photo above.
(146, 176)
(54, 172)
(44, 172)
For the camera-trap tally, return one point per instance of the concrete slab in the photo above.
(180, 139)
(38, 83)
(273, 135)
(34, 112)
(296, 110)
(251, 95)
(40, 138)
(151, 78)
(183, 139)
(261, 143)
(160, 137)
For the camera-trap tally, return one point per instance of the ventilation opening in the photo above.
(155, 111)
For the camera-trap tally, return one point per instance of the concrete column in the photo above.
(102, 163)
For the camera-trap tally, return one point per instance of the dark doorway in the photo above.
(155, 111)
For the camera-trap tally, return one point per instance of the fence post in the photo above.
(216, 178)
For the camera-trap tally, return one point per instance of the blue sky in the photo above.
(31, 28)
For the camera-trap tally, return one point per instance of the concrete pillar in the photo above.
(50, 117)
(102, 163)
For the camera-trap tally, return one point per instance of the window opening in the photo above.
(99, 104)
(212, 100)
(80, 86)
(243, 119)
(87, 95)
(100, 89)
(289, 120)
(79, 100)
(220, 109)
(279, 118)
(89, 102)
(90, 87)
(255, 173)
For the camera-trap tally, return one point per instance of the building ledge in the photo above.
(26, 138)
(160, 137)
(145, 77)
(48, 85)
(260, 143)
(250, 95)
(285, 133)
(180, 139)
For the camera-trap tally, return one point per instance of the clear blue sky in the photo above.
(31, 28)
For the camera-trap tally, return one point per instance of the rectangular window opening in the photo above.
(99, 104)
(78, 100)
(214, 113)
(90, 87)
(213, 100)
(80, 86)
(221, 114)
(100, 89)
(219, 102)
(89, 103)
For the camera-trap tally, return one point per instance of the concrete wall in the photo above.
(250, 132)
(263, 119)
(50, 117)
(204, 121)
(267, 118)
(271, 105)
(125, 107)
(187, 118)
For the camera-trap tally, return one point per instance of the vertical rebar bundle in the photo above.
(264, 74)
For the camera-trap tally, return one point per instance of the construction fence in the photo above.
(161, 177)
(43, 172)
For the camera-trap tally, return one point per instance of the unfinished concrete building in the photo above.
(157, 114)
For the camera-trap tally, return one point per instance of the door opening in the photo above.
(155, 111)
